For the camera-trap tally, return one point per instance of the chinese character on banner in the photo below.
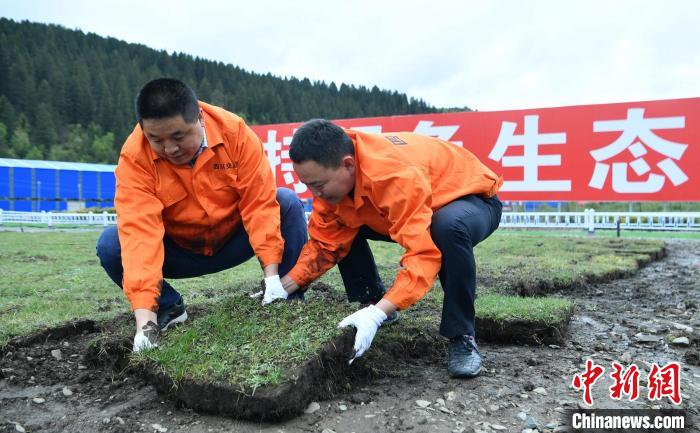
(665, 382)
(288, 169)
(271, 147)
(278, 155)
(586, 380)
(637, 135)
(627, 383)
(531, 160)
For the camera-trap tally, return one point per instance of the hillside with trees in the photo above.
(66, 95)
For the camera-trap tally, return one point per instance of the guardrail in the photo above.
(589, 219)
(57, 218)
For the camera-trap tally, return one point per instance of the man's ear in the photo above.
(348, 162)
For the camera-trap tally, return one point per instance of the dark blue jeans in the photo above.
(181, 263)
(456, 229)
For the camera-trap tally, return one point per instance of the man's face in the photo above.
(328, 184)
(174, 139)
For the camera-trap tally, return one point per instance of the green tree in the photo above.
(20, 144)
(102, 149)
(43, 129)
(4, 145)
(8, 115)
(75, 147)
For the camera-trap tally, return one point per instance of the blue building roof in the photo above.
(56, 165)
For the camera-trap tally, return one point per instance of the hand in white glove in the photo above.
(147, 337)
(366, 321)
(273, 290)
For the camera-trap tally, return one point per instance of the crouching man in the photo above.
(195, 195)
(432, 197)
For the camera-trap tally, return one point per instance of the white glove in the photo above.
(273, 290)
(366, 321)
(147, 337)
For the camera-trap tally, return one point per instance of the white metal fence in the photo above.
(57, 218)
(589, 219)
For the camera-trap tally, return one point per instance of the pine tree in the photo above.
(43, 131)
(4, 145)
(8, 116)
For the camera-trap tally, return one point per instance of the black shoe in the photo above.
(390, 318)
(172, 316)
(464, 359)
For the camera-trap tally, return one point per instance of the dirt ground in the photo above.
(629, 321)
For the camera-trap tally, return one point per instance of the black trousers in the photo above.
(456, 229)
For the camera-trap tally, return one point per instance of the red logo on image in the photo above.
(665, 382)
(586, 380)
(627, 383)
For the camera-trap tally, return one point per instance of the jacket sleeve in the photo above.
(405, 201)
(329, 242)
(141, 231)
(260, 211)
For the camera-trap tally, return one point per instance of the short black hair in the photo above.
(166, 97)
(321, 141)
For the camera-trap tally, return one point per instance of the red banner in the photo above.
(636, 151)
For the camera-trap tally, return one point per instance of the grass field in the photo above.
(50, 277)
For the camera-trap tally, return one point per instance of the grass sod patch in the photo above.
(240, 343)
(242, 360)
(512, 319)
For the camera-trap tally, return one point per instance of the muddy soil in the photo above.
(631, 320)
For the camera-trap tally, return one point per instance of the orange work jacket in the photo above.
(198, 207)
(400, 179)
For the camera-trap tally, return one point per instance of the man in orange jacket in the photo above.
(433, 198)
(195, 195)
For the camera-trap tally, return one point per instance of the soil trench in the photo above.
(632, 320)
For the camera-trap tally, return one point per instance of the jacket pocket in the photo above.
(170, 192)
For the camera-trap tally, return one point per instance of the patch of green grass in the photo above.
(508, 262)
(240, 343)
